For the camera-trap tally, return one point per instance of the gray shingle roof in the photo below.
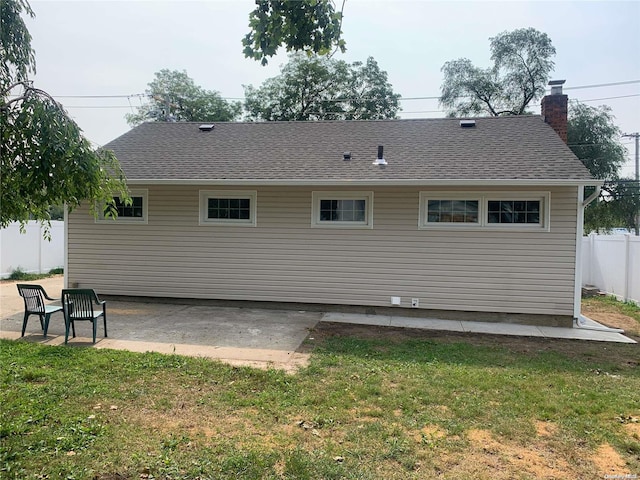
(503, 149)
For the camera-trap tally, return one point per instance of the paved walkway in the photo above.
(587, 330)
(240, 336)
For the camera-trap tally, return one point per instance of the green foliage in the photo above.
(321, 88)
(521, 66)
(595, 139)
(625, 308)
(19, 274)
(312, 26)
(45, 160)
(175, 97)
(18, 58)
(617, 207)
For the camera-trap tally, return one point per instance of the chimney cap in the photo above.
(556, 86)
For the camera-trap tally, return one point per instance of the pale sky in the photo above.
(113, 48)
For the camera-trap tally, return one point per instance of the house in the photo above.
(476, 218)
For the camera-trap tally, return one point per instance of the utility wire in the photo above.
(433, 97)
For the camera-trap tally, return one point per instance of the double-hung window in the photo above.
(342, 209)
(504, 210)
(227, 207)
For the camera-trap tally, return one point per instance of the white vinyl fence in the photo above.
(29, 251)
(612, 263)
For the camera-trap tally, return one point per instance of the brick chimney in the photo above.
(554, 109)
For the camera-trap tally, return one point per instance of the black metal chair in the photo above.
(78, 305)
(34, 297)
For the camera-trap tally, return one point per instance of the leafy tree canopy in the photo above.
(595, 139)
(321, 88)
(312, 26)
(174, 96)
(522, 61)
(618, 208)
(45, 160)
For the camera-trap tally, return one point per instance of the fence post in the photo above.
(40, 248)
(592, 256)
(627, 267)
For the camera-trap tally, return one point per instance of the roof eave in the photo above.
(370, 182)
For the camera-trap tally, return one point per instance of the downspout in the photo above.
(591, 198)
(577, 280)
(577, 293)
(578, 321)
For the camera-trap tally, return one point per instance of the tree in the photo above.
(616, 208)
(174, 96)
(321, 88)
(44, 159)
(595, 139)
(522, 61)
(308, 25)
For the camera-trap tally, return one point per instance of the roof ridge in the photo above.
(381, 120)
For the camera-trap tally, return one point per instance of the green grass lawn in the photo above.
(365, 408)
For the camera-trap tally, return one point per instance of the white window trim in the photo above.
(252, 195)
(317, 196)
(484, 198)
(144, 193)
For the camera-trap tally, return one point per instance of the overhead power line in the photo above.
(627, 82)
(429, 97)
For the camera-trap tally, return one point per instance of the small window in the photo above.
(448, 209)
(225, 207)
(136, 212)
(342, 209)
(452, 211)
(513, 211)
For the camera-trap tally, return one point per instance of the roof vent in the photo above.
(206, 127)
(346, 155)
(467, 123)
(380, 160)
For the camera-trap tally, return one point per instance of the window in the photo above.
(514, 211)
(505, 210)
(452, 211)
(342, 209)
(226, 207)
(136, 212)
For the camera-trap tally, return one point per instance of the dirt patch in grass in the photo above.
(602, 313)
(536, 459)
(546, 429)
(609, 462)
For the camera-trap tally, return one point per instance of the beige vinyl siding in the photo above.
(284, 259)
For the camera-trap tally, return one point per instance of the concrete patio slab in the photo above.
(240, 336)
